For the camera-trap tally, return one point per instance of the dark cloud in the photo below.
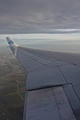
(39, 16)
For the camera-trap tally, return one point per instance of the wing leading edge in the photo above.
(48, 83)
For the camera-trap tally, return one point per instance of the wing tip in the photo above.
(8, 38)
(10, 41)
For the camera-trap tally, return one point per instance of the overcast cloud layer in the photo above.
(39, 16)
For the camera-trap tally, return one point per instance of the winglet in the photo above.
(12, 45)
(11, 42)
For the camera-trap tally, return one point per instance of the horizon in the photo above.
(50, 42)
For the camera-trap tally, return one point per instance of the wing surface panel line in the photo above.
(38, 59)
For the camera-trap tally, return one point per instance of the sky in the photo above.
(39, 16)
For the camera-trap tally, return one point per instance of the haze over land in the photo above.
(52, 42)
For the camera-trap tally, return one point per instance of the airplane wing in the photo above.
(52, 85)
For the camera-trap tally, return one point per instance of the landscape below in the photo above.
(12, 87)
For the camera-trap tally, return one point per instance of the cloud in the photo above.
(39, 16)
